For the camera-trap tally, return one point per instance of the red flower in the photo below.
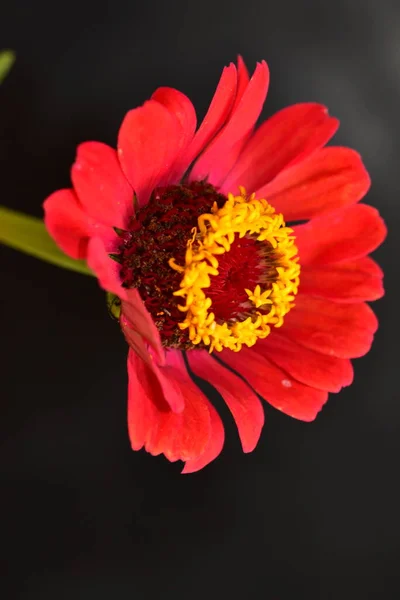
(207, 272)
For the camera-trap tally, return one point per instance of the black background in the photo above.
(313, 512)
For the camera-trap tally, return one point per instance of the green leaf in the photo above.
(7, 58)
(28, 234)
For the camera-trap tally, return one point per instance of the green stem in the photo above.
(28, 234)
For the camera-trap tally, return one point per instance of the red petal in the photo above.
(329, 179)
(243, 81)
(144, 395)
(273, 384)
(151, 423)
(214, 446)
(137, 319)
(217, 114)
(150, 391)
(69, 225)
(286, 138)
(221, 154)
(102, 188)
(135, 341)
(353, 281)
(346, 234)
(179, 105)
(172, 391)
(106, 269)
(311, 368)
(342, 330)
(149, 142)
(244, 405)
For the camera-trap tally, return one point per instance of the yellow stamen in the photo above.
(216, 231)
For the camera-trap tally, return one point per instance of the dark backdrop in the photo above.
(313, 512)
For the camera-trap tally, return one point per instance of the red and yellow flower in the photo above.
(193, 232)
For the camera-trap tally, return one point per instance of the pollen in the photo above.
(241, 220)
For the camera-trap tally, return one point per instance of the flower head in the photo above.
(194, 233)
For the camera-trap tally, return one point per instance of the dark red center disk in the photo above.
(160, 231)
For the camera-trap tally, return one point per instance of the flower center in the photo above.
(213, 272)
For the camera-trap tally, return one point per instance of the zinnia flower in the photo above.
(187, 229)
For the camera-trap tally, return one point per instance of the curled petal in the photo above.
(151, 422)
(137, 319)
(135, 341)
